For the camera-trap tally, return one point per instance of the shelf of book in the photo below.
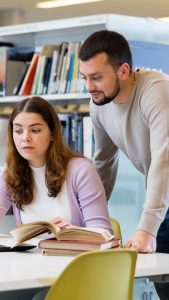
(65, 31)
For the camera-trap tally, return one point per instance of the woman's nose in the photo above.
(26, 137)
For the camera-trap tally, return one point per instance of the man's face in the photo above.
(101, 80)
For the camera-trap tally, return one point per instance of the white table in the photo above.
(33, 270)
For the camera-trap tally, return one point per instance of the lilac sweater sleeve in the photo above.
(86, 195)
(5, 201)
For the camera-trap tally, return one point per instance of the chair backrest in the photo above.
(116, 228)
(97, 275)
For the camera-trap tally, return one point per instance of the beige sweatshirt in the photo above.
(140, 128)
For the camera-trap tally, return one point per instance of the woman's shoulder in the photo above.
(78, 163)
(82, 169)
(2, 177)
(2, 171)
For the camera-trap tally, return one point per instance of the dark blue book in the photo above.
(66, 123)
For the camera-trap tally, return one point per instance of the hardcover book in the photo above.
(53, 243)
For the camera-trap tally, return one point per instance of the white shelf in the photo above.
(57, 98)
(137, 28)
(53, 25)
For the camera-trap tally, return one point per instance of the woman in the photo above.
(43, 178)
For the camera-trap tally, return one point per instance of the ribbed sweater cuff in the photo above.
(149, 223)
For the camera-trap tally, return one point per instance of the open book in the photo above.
(27, 231)
(7, 243)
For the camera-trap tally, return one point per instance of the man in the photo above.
(130, 112)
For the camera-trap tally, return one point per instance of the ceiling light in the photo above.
(60, 3)
(165, 19)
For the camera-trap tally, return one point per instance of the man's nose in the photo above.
(90, 85)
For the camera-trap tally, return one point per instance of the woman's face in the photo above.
(32, 137)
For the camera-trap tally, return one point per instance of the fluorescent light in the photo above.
(60, 3)
(165, 19)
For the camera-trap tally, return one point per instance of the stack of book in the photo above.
(66, 241)
(70, 247)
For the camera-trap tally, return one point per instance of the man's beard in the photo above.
(111, 97)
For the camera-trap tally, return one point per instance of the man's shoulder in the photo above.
(153, 75)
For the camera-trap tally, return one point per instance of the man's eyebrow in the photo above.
(31, 125)
(92, 74)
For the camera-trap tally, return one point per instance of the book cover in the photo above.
(66, 120)
(87, 137)
(20, 79)
(41, 75)
(3, 71)
(26, 86)
(53, 73)
(77, 131)
(14, 70)
(72, 85)
(53, 243)
(61, 65)
(47, 75)
(61, 252)
(36, 77)
(68, 66)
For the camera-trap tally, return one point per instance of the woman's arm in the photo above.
(89, 193)
(5, 200)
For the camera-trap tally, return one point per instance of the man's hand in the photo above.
(142, 241)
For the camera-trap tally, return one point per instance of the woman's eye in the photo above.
(36, 130)
(18, 131)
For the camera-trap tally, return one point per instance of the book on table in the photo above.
(55, 244)
(27, 231)
(61, 252)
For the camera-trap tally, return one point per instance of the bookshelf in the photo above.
(77, 29)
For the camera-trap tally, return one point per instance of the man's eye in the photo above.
(97, 78)
(82, 77)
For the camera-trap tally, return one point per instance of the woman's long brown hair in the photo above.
(18, 175)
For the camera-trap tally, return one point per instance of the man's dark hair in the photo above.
(110, 42)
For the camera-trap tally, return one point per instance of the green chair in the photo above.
(116, 228)
(97, 275)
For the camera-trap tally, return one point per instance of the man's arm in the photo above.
(155, 111)
(106, 155)
(156, 115)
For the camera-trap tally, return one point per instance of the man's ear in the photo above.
(124, 71)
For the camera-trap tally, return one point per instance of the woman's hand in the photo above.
(61, 223)
(142, 241)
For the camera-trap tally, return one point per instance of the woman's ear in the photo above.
(51, 138)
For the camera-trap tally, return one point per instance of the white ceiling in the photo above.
(24, 10)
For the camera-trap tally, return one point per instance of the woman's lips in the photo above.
(27, 148)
